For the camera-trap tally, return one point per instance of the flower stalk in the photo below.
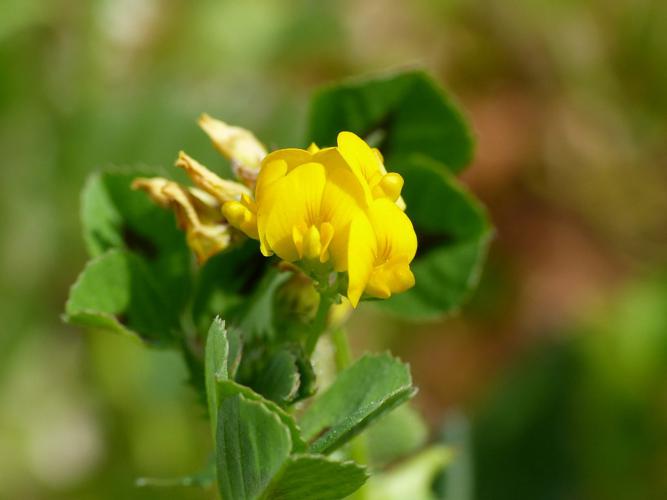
(319, 325)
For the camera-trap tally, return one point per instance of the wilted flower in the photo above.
(197, 213)
(238, 144)
(199, 209)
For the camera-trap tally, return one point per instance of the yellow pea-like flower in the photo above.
(332, 209)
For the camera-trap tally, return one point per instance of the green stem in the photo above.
(319, 324)
(358, 446)
(343, 354)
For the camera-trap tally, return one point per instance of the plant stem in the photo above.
(340, 342)
(358, 448)
(319, 324)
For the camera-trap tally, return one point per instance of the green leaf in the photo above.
(225, 282)
(424, 137)
(361, 393)
(219, 386)
(227, 388)
(316, 478)
(251, 446)
(283, 373)
(216, 354)
(453, 234)
(279, 378)
(117, 292)
(407, 112)
(114, 217)
(256, 320)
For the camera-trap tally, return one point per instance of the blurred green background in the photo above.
(557, 368)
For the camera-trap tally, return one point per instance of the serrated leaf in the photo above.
(226, 388)
(219, 386)
(315, 477)
(361, 393)
(116, 292)
(453, 234)
(251, 446)
(253, 458)
(407, 112)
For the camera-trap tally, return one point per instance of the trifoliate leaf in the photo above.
(400, 113)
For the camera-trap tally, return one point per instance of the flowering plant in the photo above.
(286, 247)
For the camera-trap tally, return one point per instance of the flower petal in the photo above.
(294, 202)
(361, 249)
(396, 247)
(343, 198)
(222, 189)
(394, 231)
(237, 144)
(272, 171)
(197, 212)
(293, 157)
(362, 160)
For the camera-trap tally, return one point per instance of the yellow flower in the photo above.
(304, 206)
(332, 209)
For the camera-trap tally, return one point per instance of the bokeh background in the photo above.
(553, 377)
